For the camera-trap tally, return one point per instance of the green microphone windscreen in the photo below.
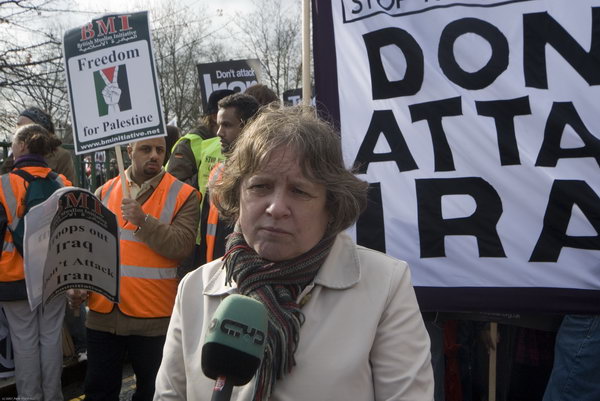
(236, 338)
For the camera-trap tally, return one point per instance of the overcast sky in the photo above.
(117, 5)
(224, 8)
(221, 12)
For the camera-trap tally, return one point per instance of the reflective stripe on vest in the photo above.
(148, 273)
(60, 181)
(211, 229)
(106, 196)
(11, 200)
(168, 209)
(8, 247)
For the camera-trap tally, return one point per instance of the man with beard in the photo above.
(158, 221)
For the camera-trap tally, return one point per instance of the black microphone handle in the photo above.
(222, 390)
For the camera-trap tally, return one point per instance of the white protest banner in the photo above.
(476, 124)
(71, 241)
(236, 75)
(112, 81)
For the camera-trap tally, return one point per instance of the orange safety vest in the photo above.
(12, 195)
(213, 215)
(148, 280)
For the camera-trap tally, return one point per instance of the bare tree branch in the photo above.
(272, 34)
(182, 37)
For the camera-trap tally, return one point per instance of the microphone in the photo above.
(235, 344)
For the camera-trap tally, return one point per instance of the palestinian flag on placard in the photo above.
(111, 75)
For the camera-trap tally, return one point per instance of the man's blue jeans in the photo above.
(576, 372)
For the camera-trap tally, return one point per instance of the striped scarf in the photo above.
(277, 285)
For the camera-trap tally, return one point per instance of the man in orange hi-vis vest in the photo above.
(235, 111)
(158, 223)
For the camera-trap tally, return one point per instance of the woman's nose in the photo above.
(278, 206)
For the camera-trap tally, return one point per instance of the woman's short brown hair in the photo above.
(37, 139)
(318, 148)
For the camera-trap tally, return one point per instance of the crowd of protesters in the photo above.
(248, 195)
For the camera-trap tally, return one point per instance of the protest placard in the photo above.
(236, 75)
(475, 123)
(112, 82)
(71, 241)
(293, 97)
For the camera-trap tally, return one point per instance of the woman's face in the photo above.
(282, 212)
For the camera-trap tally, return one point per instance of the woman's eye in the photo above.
(301, 192)
(257, 186)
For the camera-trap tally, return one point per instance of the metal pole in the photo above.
(122, 171)
(492, 362)
(306, 84)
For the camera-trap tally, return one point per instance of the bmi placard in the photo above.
(112, 80)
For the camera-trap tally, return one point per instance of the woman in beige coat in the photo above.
(346, 324)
